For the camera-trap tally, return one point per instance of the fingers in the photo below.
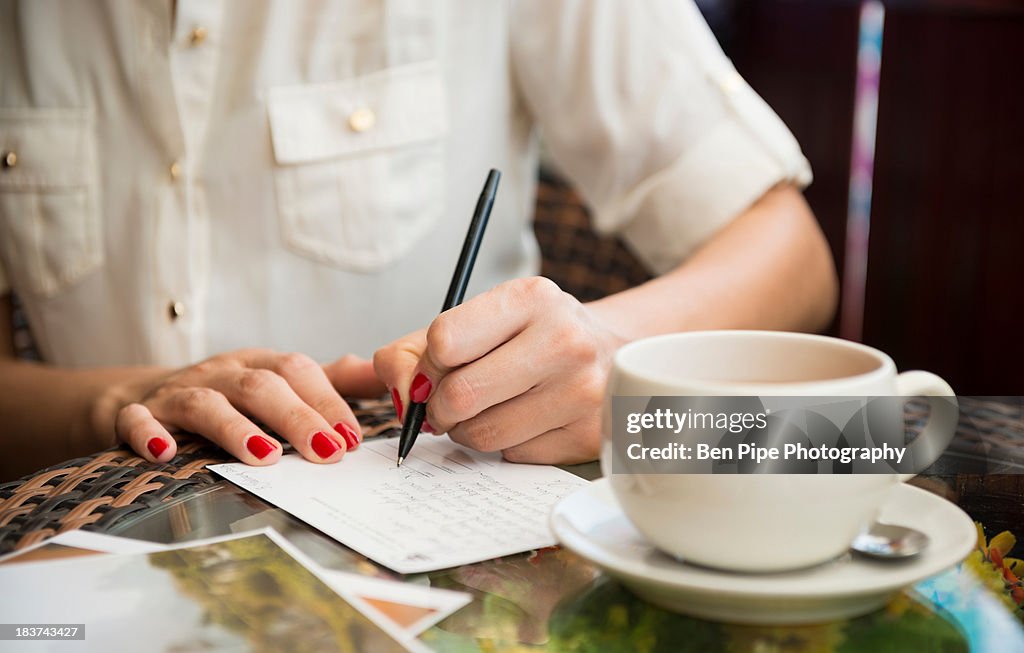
(395, 365)
(136, 426)
(414, 365)
(483, 365)
(352, 376)
(220, 397)
(209, 413)
(510, 423)
(562, 446)
(509, 371)
(561, 401)
(270, 398)
(308, 380)
(471, 330)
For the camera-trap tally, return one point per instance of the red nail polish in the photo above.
(426, 427)
(420, 388)
(324, 445)
(347, 432)
(157, 446)
(396, 399)
(259, 446)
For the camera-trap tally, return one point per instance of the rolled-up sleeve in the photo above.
(643, 112)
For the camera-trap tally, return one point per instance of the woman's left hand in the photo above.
(519, 369)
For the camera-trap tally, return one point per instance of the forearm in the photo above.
(50, 414)
(770, 268)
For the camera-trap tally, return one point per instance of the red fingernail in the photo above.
(396, 399)
(347, 432)
(324, 445)
(259, 446)
(157, 446)
(420, 388)
(426, 427)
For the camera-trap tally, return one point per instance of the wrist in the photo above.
(613, 317)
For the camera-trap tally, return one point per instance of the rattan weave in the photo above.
(97, 492)
(584, 264)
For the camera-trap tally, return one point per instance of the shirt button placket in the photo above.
(198, 35)
(362, 120)
(176, 310)
(194, 62)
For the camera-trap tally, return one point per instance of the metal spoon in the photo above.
(890, 542)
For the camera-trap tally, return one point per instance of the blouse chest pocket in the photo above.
(360, 168)
(50, 232)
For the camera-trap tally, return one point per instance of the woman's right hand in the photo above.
(223, 397)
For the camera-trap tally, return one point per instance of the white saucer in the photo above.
(590, 523)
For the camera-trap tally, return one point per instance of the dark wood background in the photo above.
(946, 254)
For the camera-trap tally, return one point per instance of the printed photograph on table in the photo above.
(244, 593)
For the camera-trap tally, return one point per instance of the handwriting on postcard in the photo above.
(444, 507)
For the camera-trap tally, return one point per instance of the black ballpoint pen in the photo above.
(456, 291)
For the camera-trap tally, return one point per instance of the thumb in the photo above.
(353, 376)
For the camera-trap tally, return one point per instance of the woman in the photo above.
(192, 193)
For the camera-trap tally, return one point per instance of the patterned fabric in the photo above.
(24, 345)
(583, 263)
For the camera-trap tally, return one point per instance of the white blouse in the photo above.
(300, 174)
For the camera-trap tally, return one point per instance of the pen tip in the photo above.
(400, 459)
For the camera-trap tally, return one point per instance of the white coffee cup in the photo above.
(758, 522)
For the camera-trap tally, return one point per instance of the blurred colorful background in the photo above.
(935, 280)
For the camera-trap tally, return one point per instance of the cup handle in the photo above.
(942, 421)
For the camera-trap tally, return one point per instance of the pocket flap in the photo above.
(51, 148)
(389, 108)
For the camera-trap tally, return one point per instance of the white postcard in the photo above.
(445, 506)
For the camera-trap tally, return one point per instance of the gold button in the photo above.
(176, 310)
(175, 170)
(361, 120)
(10, 159)
(198, 35)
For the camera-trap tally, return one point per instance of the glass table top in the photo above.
(551, 599)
